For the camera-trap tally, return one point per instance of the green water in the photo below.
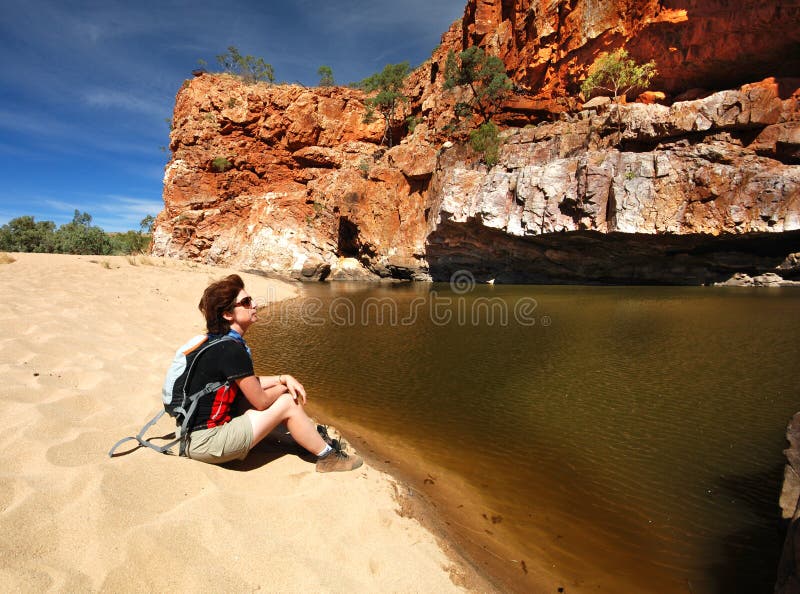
(640, 430)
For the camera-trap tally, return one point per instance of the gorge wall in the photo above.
(707, 185)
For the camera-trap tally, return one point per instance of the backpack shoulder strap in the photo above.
(139, 437)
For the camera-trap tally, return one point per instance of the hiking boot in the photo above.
(338, 461)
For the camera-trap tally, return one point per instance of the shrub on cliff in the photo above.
(486, 140)
(250, 68)
(618, 74)
(485, 76)
(325, 76)
(389, 86)
(221, 165)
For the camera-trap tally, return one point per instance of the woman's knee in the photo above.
(286, 404)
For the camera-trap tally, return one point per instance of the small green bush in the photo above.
(486, 140)
(129, 242)
(363, 167)
(221, 165)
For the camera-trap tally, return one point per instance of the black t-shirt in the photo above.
(223, 362)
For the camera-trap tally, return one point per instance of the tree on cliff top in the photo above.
(325, 76)
(250, 68)
(618, 74)
(389, 86)
(486, 77)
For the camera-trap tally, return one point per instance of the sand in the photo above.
(87, 341)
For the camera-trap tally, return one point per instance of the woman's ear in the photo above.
(228, 315)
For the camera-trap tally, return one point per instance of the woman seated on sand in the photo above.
(217, 434)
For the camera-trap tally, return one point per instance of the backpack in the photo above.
(177, 403)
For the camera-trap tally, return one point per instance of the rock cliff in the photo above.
(788, 581)
(548, 46)
(289, 179)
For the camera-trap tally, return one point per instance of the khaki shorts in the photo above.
(221, 444)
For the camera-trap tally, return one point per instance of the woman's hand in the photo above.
(295, 388)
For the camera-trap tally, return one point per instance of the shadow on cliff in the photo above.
(591, 257)
(751, 555)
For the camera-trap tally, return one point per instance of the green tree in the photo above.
(388, 84)
(618, 74)
(251, 69)
(24, 234)
(486, 77)
(146, 224)
(325, 76)
(80, 237)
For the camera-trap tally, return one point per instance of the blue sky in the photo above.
(87, 87)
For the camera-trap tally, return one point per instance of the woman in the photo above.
(217, 434)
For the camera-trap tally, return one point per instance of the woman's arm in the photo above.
(267, 381)
(261, 398)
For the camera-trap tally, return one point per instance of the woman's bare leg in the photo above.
(285, 409)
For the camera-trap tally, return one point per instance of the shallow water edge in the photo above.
(469, 526)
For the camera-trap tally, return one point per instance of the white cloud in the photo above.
(33, 123)
(120, 213)
(115, 99)
(134, 206)
(61, 205)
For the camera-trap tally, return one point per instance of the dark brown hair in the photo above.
(218, 298)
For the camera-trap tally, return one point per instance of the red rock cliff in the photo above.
(290, 179)
(548, 45)
(282, 177)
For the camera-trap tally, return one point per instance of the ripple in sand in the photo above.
(122, 487)
(7, 493)
(201, 569)
(70, 409)
(77, 452)
(25, 579)
(28, 529)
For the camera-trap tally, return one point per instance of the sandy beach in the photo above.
(87, 342)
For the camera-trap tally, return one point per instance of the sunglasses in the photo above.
(246, 302)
